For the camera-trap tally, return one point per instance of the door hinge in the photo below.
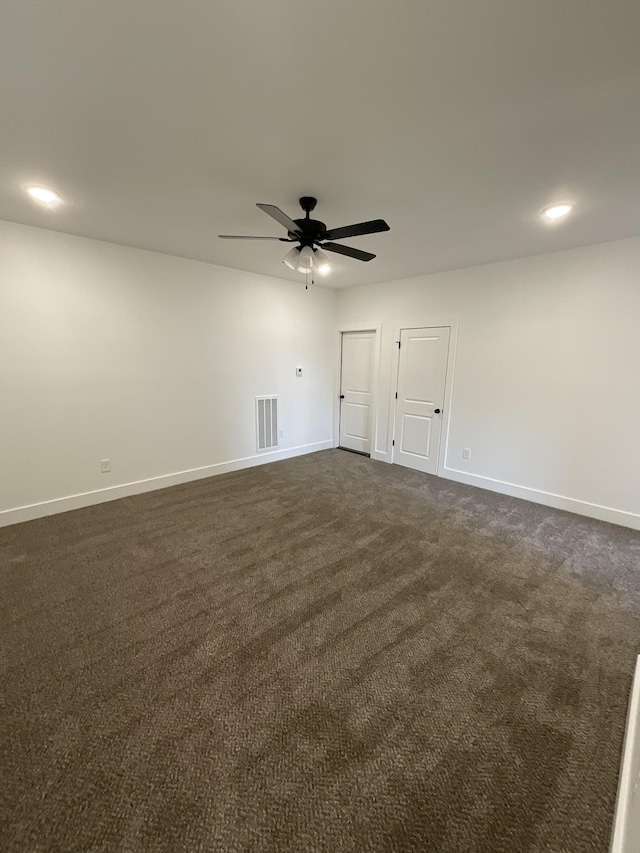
(396, 395)
(399, 344)
(393, 443)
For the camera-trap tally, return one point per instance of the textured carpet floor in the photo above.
(321, 654)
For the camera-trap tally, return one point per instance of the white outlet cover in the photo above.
(466, 453)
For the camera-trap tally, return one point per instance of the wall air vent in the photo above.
(267, 422)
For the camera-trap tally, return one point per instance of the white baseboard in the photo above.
(626, 823)
(603, 513)
(125, 490)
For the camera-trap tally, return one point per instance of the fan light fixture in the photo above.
(306, 260)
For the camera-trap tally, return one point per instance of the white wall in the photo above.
(149, 360)
(546, 388)
(154, 362)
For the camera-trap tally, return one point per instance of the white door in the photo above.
(356, 380)
(422, 371)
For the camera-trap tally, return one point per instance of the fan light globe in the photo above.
(321, 262)
(292, 259)
(305, 262)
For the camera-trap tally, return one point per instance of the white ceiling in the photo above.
(163, 123)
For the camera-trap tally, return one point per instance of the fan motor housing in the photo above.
(312, 230)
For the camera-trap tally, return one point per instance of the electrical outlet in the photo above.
(466, 453)
(105, 466)
(281, 433)
(298, 371)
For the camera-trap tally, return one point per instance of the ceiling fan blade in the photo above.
(370, 227)
(348, 250)
(245, 237)
(279, 216)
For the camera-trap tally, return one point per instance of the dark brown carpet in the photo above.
(322, 654)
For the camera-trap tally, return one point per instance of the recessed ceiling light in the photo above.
(44, 196)
(557, 211)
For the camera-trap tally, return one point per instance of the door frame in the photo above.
(375, 367)
(425, 323)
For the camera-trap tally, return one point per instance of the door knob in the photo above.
(342, 396)
(436, 411)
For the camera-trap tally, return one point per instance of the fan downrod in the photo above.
(310, 230)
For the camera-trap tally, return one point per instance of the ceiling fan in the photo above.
(313, 236)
